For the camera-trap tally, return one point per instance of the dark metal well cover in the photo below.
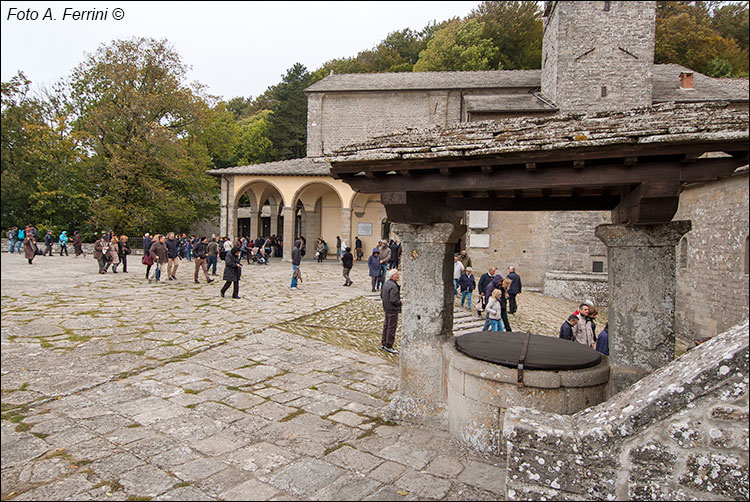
(543, 352)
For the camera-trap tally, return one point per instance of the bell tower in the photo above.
(598, 55)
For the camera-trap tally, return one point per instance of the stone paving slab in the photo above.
(114, 388)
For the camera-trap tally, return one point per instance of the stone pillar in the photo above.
(288, 237)
(346, 227)
(274, 221)
(642, 285)
(427, 321)
(223, 205)
(254, 223)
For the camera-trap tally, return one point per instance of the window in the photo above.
(683, 253)
(604, 91)
(606, 6)
(598, 266)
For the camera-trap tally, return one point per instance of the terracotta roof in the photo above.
(664, 123)
(294, 167)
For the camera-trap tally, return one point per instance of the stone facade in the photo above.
(680, 433)
(712, 262)
(610, 67)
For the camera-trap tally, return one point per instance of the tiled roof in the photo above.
(428, 80)
(507, 103)
(666, 83)
(667, 87)
(295, 167)
(658, 124)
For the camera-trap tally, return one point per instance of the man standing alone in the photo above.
(515, 288)
(391, 296)
(173, 255)
(347, 261)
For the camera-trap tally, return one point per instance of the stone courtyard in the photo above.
(117, 389)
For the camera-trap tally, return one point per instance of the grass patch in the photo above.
(232, 387)
(132, 426)
(46, 345)
(79, 338)
(191, 406)
(180, 485)
(23, 427)
(40, 435)
(234, 375)
(331, 449)
(191, 391)
(138, 497)
(292, 415)
(23, 386)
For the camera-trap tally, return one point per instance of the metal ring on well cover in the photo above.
(544, 352)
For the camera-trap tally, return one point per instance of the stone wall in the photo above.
(712, 278)
(681, 433)
(577, 287)
(579, 63)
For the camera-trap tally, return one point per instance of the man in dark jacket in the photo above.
(48, 243)
(347, 260)
(173, 255)
(391, 296)
(483, 283)
(200, 252)
(358, 248)
(515, 288)
(566, 330)
(296, 261)
(232, 272)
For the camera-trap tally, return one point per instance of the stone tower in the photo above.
(598, 55)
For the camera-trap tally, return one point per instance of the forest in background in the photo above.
(124, 142)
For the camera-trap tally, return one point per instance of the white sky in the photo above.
(234, 48)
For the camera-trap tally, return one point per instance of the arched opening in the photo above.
(385, 229)
(259, 204)
(683, 253)
(318, 214)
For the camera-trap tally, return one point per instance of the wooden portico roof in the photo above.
(633, 162)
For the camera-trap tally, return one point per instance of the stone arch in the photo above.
(318, 213)
(250, 221)
(683, 254)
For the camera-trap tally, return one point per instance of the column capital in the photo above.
(659, 235)
(442, 233)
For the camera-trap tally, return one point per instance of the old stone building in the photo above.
(584, 69)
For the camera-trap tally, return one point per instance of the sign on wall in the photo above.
(479, 240)
(479, 219)
(364, 229)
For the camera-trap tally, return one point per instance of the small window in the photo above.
(683, 253)
(604, 91)
(598, 266)
(606, 6)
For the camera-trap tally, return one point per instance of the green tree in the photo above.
(288, 122)
(515, 28)
(142, 124)
(221, 136)
(458, 46)
(254, 144)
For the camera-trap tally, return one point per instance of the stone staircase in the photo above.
(465, 321)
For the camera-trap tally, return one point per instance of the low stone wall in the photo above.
(680, 433)
(577, 286)
(88, 248)
(479, 393)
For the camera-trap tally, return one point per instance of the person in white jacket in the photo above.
(494, 310)
(458, 269)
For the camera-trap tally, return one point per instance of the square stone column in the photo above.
(427, 321)
(642, 285)
(288, 214)
(346, 227)
(227, 208)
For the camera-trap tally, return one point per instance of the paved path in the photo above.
(116, 389)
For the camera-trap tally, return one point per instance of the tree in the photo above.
(288, 122)
(458, 46)
(516, 30)
(254, 144)
(142, 123)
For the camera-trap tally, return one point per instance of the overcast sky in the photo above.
(234, 48)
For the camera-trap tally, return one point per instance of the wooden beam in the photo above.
(630, 161)
(520, 159)
(445, 171)
(605, 175)
(578, 164)
(650, 203)
(417, 208)
(531, 166)
(690, 157)
(601, 203)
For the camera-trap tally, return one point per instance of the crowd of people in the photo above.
(28, 239)
(580, 327)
